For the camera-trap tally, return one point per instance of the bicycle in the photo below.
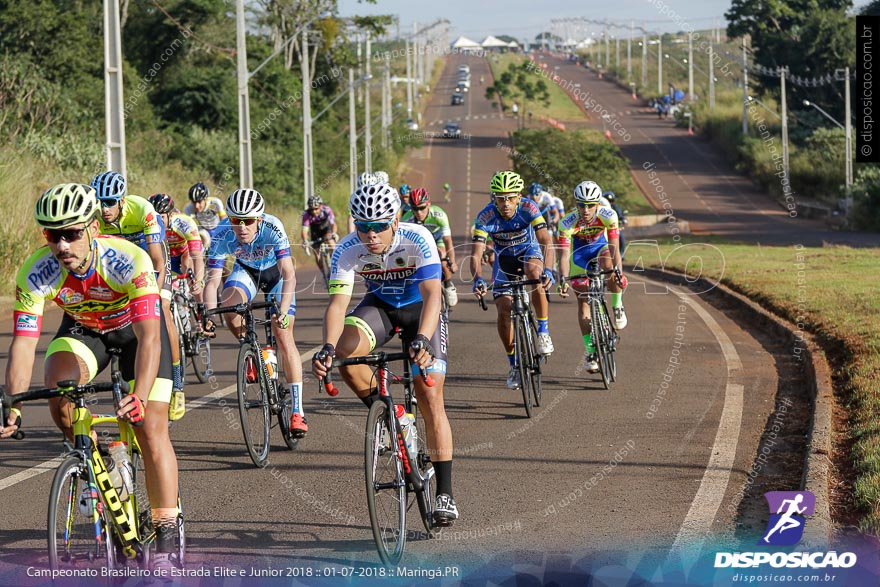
(261, 392)
(89, 521)
(604, 334)
(325, 255)
(187, 315)
(389, 473)
(525, 335)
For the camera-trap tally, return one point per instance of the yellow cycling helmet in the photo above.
(66, 204)
(505, 182)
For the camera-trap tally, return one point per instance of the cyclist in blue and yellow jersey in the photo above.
(400, 265)
(207, 211)
(523, 246)
(261, 249)
(588, 233)
(134, 219)
(107, 289)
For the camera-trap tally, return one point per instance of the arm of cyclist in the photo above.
(564, 259)
(545, 241)
(614, 245)
(476, 261)
(18, 369)
(212, 284)
(157, 255)
(288, 288)
(146, 367)
(334, 323)
(306, 241)
(431, 296)
(450, 252)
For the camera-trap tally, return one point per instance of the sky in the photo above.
(524, 19)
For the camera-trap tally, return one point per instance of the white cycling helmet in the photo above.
(367, 178)
(382, 176)
(371, 203)
(245, 203)
(587, 191)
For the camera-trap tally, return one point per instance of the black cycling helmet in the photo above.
(609, 195)
(315, 201)
(162, 203)
(198, 192)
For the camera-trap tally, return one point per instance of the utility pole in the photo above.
(409, 92)
(607, 47)
(360, 70)
(629, 56)
(644, 60)
(711, 77)
(113, 105)
(690, 67)
(849, 154)
(383, 113)
(617, 54)
(660, 64)
(782, 72)
(389, 116)
(368, 136)
(245, 168)
(308, 169)
(745, 67)
(352, 134)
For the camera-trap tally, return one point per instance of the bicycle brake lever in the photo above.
(426, 377)
(328, 386)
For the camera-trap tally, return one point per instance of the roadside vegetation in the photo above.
(517, 83)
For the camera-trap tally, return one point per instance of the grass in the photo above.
(840, 307)
(561, 105)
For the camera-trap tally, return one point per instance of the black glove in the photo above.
(328, 350)
(421, 342)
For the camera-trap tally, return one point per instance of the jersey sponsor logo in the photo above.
(70, 296)
(23, 296)
(44, 273)
(606, 212)
(142, 280)
(157, 309)
(149, 219)
(400, 261)
(370, 267)
(419, 241)
(388, 274)
(119, 265)
(26, 323)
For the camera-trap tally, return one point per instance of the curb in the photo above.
(819, 533)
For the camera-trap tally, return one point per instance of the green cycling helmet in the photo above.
(66, 204)
(505, 182)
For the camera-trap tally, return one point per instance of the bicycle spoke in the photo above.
(385, 486)
(253, 404)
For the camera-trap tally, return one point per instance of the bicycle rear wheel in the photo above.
(536, 360)
(253, 403)
(141, 503)
(524, 358)
(325, 264)
(385, 485)
(79, 536)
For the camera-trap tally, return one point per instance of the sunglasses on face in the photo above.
(510, 198)
(376, 227)
(109, 203)
(581, 205)
(242, 221)
(56, 235)
(420, 208)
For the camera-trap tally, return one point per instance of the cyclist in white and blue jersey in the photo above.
(401, 266)
(261, 249)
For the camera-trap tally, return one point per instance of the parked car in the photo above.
(457, 98)
(412, 124)
(452, 130)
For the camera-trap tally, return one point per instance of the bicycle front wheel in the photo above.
(536, 360)
(385, 484)
(181, 339)
(79, 535)
(285, 408)
(325, 264)
(523, 355)
(201, 350)
(600, 340)
(253, 403)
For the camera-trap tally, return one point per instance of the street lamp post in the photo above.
(352, 134)
(848, 150)
(114, 110)
(368, 139)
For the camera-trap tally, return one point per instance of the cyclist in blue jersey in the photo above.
(523, 246)
(261, 249)
(401, 267)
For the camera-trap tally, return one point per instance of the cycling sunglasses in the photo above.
(376, 227)
(109, 203)
(585, 205)
(56, 235)
(420, 208)
(500, 198)
(242, 221)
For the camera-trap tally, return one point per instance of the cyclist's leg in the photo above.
(366, 327)
(239, 288)
(533, 267)
(291, 362)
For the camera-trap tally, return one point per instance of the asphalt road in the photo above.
(594, 471)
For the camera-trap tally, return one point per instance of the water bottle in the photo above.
(271, 361)
(408, 424)
(121, 471)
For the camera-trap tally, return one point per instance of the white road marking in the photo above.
(52, 464)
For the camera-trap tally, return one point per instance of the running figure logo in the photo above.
(787, 512)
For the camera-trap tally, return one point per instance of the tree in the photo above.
(520, 81)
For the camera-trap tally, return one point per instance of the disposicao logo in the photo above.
(787, 516)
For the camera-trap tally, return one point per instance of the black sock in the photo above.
(368, 401)
(166, 538)
(443, 469)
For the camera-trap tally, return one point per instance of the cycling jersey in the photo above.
(118, 290)
(511, 237)
(559, 205)
(182, 234)
(588, 239)
(269, 245)
(210, 216)
(436, 221)
(137, 222)
(393, 277)
(319, 223)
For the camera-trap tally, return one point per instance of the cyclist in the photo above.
(318, 225)
(184, 243)
(522, 247)
(367, 178)
(134, 219)
(621, 219)
(261, 249)
(447, 191)
(207, 211)
(592, 233)
(382, 177)
(405, 189)
(435, 220)
(544, 201)
(107, 290)
(401, 267)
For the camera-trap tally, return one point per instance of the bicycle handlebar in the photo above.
(379, 359)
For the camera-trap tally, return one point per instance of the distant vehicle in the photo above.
(452, 130)
(457, 98)
(412, 124)
(465, 68)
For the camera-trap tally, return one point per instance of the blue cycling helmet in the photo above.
(609, 195)
(109, 185)
(535, 189)
(404, 189)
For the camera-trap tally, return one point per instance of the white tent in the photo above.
(465, 44)
(491, 42)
